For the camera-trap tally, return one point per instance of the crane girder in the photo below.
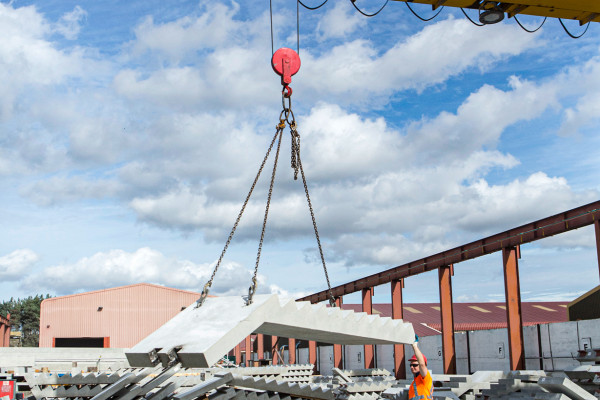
(583, 11)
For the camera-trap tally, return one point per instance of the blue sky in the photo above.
(131, 132)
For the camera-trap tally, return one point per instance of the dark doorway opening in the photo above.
(79, 342)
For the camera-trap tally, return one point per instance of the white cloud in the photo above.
(214, 28)
(61, 190)
(354, 71)
(69, 24)
(339, 21)
(118, 267)
(15, 265)
(479, 121)
(586, 81)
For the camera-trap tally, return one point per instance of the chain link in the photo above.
(279, 130)
(252, 288)
(286, 116)
(298, 165)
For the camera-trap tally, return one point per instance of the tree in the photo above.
(25, 318)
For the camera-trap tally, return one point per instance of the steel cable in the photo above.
(469, 18)
(369, 15)
(527, 30)
(421, 18)
(313, 8)
(569, 33)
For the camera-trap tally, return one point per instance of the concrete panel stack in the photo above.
(294, 382)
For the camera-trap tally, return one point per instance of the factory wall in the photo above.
(117, 317)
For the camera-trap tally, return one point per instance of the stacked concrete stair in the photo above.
(275, 383)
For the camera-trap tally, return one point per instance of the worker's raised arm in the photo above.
(420, 358)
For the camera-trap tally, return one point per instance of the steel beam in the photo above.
(513, 308)
(597, 229)
(292, 350)
(540, 229)
(367, 307)
(312, 355)
(399, 358)
(448, 347)
(337, 348)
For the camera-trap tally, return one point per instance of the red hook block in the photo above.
(285, 62)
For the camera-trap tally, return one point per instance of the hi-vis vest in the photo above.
(421, 388)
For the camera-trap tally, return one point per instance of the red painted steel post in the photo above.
(399, 359)
(367, 306)
(597, 229)
(337, 348)
(106, 343)
(238, 354)
(7, 331)
(447, 314)
(260, 346)
(3, 329)
(249, 351)
(274, 356)
(513, 308)
(292, 350)
(312, 355)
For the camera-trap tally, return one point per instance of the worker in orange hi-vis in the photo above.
(422, 386)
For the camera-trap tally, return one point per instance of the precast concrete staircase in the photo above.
(200, 336)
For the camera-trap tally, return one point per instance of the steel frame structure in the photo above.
(508, 242)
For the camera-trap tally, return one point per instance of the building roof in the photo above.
(426, 320)
(127, 287)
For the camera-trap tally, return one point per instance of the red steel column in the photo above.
(337, 348)
(399, 363)
(312, 355)
(7, 331)
(260, 346)
(513, 308)
(248, 351)
(597, 229)
(292, 350)
(238, 354)
(367, 306)
(448, 347)
(3, 329)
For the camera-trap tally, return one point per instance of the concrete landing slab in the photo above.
(201, 336)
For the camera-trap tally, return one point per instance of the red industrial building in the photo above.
(117, 317)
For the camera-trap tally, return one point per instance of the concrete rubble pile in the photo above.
(291, 382)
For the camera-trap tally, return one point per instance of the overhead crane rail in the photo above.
(583, 11)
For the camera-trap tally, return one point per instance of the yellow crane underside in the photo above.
(582, 10)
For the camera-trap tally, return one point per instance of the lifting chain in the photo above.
(206, 289)
(286, 117)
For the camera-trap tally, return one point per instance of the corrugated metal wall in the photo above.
(127, 314)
